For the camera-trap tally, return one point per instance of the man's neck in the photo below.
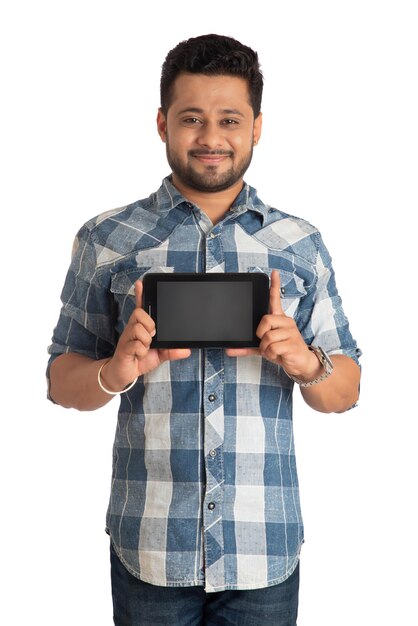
(215, 204)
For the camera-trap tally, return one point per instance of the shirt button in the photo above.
(212, 397)
(211, 506)
(212, 453)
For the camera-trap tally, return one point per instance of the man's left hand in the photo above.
(280, 340)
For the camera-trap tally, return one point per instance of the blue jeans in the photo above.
(136, 603)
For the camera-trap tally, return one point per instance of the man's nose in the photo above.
(210, 136)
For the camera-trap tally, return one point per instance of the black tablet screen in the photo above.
(205, 311)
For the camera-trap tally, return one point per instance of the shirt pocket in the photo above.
(122, 287)
(292, 288)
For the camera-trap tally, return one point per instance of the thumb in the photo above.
(275, 300)
(138, 294)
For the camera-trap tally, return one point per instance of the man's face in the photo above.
(209, 131)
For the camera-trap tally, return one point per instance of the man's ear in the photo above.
(258, 122)
(162, 125)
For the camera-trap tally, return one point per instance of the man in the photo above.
(204, 514)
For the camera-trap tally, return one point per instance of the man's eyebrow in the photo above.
(233, 112)
(190, 110)
(201, 111)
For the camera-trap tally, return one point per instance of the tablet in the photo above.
(206, 310)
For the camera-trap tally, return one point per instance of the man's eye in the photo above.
(229, 122)
(191, 120)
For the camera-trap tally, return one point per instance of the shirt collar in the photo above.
(247, 199)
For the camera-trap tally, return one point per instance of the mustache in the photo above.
(210, 153)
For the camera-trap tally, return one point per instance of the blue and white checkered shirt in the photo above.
(204, 482)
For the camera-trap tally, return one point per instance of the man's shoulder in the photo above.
(281, 229)
(281, 219)
(143, 209)
(117, 233)
(142, 215)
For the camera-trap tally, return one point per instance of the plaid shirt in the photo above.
(204, 482)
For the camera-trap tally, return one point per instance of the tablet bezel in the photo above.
(260, 303)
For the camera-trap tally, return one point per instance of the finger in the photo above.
(138, 294)
(275, 300)
(271, 322)
(132, 347)
(140, 317)
(276, 337)
(274, 353)
(139, 332)
(174, 354)
(242, 351)
(138, 349)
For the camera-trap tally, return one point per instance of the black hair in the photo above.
(213, 55)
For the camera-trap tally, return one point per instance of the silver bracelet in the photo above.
(103, 388)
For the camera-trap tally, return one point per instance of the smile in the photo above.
(210, 160)
(214, 158)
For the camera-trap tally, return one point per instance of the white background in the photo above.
(80, 91)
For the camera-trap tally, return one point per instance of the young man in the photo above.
(204, 514)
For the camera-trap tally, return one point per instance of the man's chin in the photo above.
(210, 183)
(211, 188)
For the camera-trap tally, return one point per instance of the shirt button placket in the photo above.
(214, 433)
(212, 509)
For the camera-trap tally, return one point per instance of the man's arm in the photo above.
(73, 382)
(282, 343)
(74, 377)
(337, 393)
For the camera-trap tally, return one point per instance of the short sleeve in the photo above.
(87, 319)
(322, 320)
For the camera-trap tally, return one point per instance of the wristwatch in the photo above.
(326, 363)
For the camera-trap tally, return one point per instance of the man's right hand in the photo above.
(133, 356)
(73, 376)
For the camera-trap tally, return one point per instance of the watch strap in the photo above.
(326, 363)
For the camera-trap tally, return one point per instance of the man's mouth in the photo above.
(210, 158)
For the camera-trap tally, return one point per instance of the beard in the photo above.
(210, 181)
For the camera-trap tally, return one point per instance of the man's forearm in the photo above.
(338, 392)
(73, 382)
